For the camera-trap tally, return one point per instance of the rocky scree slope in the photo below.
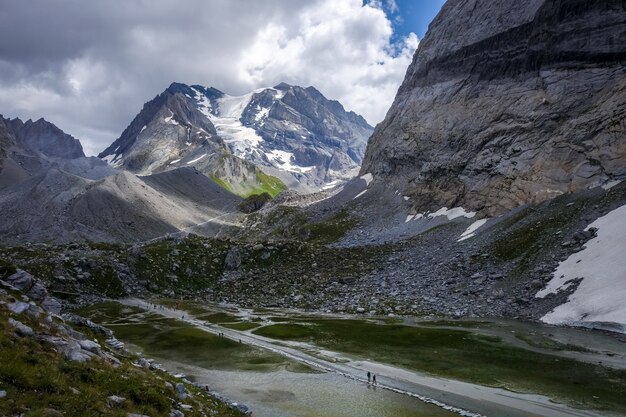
(261, 141)
(61, 207)
(508, 103)
(48, 192)
(497, 272)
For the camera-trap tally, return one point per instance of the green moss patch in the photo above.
(242, 326)
(333, 228)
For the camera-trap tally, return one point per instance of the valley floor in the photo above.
(492, 386)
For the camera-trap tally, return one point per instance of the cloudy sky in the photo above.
(88, 66)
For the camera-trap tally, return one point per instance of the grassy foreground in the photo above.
(465, 356)
(39, 382)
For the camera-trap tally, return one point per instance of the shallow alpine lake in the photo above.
(291, 363)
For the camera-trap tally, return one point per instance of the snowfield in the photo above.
(599, 300)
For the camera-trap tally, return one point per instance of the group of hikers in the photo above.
(371, 378)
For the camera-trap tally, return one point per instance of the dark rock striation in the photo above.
(508, 103)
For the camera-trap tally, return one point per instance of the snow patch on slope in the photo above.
(599, 298)
(413, 217)
(368, 178)
(114, 160)
(196, 160)
(471, 230)
(170, 119)
(283, 160)
(452, 214)
(204, 104)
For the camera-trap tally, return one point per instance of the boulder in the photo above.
(51, 305)
(181, 391)
(21, 328)
(21, 280)
(18, 307)
(76, 354)
(37, 292)
(91, 346)
(143, 362)
(233, 258)
(115, 400)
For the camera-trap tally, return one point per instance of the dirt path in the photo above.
(463, 398)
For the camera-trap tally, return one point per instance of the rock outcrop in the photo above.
(29, 149)
(44, 137)
(508, 103)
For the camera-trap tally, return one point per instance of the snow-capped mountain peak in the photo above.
(289, 132)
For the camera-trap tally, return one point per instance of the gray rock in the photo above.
(37, 292)
(115, 400)
(181, 391)
(21, 280)
(176, 413)
(21, 328)
(18, 307)
(76, 354)
(143, 362)
(3, 393)
(233, 258)
(51, 305)
(91, 346)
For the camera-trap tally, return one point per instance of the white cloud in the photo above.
(89, 68)
(342, 48)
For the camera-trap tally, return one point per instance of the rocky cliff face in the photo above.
(508, 103)
(246, 142)
(44, 137)
(28, 149)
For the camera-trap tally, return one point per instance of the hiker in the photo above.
(369, 377)
(374, 379)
